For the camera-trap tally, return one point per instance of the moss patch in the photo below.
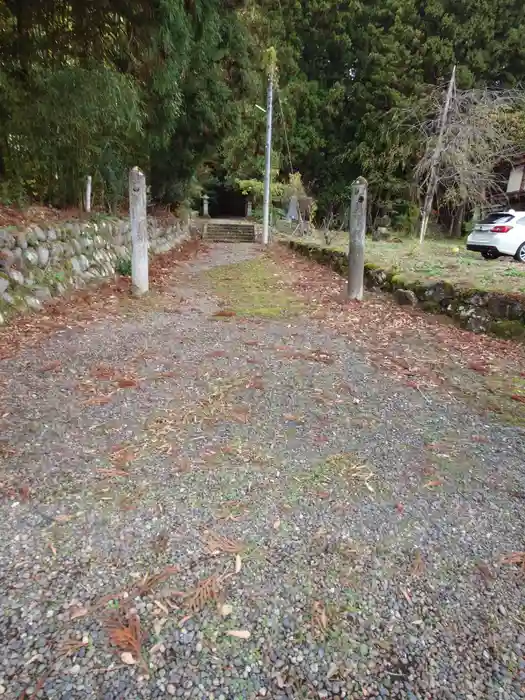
(254, 288)
(508, 329)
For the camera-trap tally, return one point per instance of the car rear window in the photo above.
(501, 218)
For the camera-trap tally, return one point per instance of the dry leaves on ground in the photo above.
(239, 634)
(78, 611)
(319, 617)
(83, 307)
(216, 544)
(515, 558)
(418, 565)
(125, 633)
(206, 590)
(148, 583)
(122, 456)
(407, 342)
(160, 542)
(70, 647)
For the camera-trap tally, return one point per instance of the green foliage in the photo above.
(255, 190)
(123, 267)
(95, 87)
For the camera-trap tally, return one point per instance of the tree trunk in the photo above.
(458, 221)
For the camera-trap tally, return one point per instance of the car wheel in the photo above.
(520, 253)
(490, 255)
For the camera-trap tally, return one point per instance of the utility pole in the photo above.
(268, 152)
(432, 178)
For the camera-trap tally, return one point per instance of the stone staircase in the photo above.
(229, 231)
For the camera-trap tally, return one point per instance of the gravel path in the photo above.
(204, 506)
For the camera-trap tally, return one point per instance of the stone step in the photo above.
(229, 233)
(244, 230)
(229, 239)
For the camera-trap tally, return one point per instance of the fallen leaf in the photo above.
(292, 417)
(255, 384)
(319, 616)
(515, 558)
(127, 658)
(158, 625)
(226, 609)
(216, 543)
(240, 634)
(485, 571)
(79, 611)
(112, 472)
(225, 313)
(160, 543)
(277, 525)
(431, 484)
(218, 353)
(400, 508)
(63, 518)
(103, 372)
(478, 367)
(418, 565)
(52, 366)
(24, 493)
(161, 606)
(98, 400)
(125, 383)
(167, 374)
(238, 563)
(517, 397)
(332, 671)
(122, 457)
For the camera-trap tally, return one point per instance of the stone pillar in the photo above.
(249, 208)
(205, 212)
(139, 232)
(356, 252)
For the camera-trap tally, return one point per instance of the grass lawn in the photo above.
(437, 260)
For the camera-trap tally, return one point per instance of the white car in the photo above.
(502, 233)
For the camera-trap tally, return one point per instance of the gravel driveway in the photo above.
(201, 505)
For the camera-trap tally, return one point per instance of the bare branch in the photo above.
(475, 140)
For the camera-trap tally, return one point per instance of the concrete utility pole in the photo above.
(87, 203)
(432, 179)
(356, 250)
(139, 232)
(268, 152)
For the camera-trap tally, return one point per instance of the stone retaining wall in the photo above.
(478, 310)
(44, 261)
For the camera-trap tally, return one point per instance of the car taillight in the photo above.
(500, 229)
